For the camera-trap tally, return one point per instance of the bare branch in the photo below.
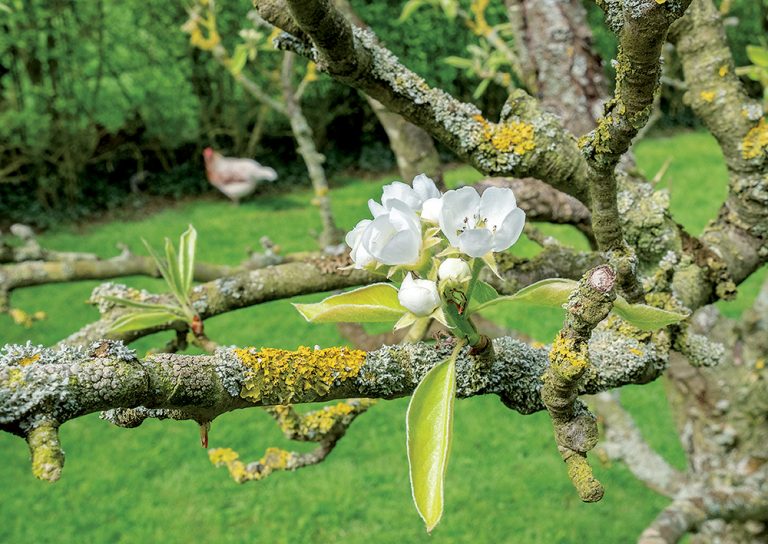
(624, 442)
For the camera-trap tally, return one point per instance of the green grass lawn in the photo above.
(505, 482)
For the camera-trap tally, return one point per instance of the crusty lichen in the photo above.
(755, 143)
(274, 459)
(276, 376)
(508, 137)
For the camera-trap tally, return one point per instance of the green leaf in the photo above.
(172, 262)
(187, 247)
(141, 320)
(128, 303)
(646, 317)
(551, 293)
(482, 293)
(459, 62)
(481, 88)
(758, 55)
(450, 7)
(238, 60)
(370, 304)
(429, 425)
(409, 8)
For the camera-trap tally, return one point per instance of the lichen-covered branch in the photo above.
(575, 427)
(624, 442)
(44, 386)
(641, 28)
(227, 293)
(737, 122)
(525, 143)
(326, 426)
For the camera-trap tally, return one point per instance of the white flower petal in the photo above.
(430, 211)
(354, 239)
(425, 187)
(402, 248)
(510, 230)
(398, 191)
(376, 208)
(458, 212)
(476, 242)
(495, 205)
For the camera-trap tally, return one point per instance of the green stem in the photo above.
(477, 266)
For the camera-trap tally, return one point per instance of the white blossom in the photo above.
(420, 297)
(478, 225)
(453, 269)
(354, 240)
(394, 236)
(414, 197)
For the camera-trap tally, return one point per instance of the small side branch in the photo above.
(575, 427)
(326, 426)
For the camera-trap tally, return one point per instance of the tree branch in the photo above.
(624, 442)
(526, 142)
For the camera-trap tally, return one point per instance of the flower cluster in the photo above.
(435, 237)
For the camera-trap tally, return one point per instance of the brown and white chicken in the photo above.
(236, 178)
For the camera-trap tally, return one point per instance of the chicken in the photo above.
(236, 178)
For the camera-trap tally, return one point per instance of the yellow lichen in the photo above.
(280, 375)
(274, 459)
(512, 136)
(321, 421)
(568, 359)
(723, 71)
(760, 364)
(15, 378)
(755, 142)
(635, 351)
(707, 96)
(29, 360)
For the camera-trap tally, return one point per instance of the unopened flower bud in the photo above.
(420, 297)
(454, 269)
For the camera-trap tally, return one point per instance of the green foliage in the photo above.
(429, 426)
(370, 304)
(178, 272)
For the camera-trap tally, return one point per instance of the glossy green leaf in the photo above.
(187, 248)
(370, 304)
(551, 293)
(142, 320)
(429, 425)
(172, 264)
(645, 317)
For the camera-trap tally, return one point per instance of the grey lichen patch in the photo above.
(110, 289)
(618, 359)
(33, 381)
(201, 386)
(230, 370)
(646, 223)
(700, 350)
(514, 375)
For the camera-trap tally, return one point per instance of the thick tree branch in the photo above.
(39, 385)
(718, 98)
(525, 143)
